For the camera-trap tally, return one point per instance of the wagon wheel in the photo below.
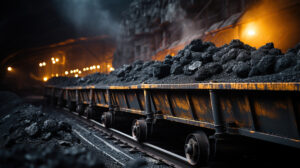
(139, 130)
(107, 119)
(196, 149)
(80, 109)
(71, 106)
(60, 102)
(90, 112)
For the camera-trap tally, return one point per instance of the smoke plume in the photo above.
(90, 16)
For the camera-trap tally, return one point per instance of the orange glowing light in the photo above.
(53, 62)
(79, 72)
(66, 72)
(56, 75)
(94, 67)
(111, 68)
(71, 71)
(251, 32)
(44, 63)
(56, 59)
(76, 75)
(9, 69)
(45, 79)
(108, 66)
(87, 68)
(98, 66)
(40, 64)
(91, 67)
(52, 59)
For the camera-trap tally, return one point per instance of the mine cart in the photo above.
(264, 111)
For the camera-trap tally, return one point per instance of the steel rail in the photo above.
(153, 151)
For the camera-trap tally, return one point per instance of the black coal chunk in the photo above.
(232, 54)
(197, 56)
(191, 68)
(32, 130)
(236, 44)
(241, 69)
(243, 56)
(196, 45)
(256, 56)
(176, 68)
(208, 70)
(274, 51)
(161, 70)
(186, 57)
(267, 46)
(168, 60)
(206, 57)
(264, 66)
(64, 126)
(122, 71)
(285, 61)
(218, 55)
(50, 125)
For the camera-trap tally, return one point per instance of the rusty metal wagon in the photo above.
(264, 111)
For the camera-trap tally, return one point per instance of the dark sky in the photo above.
(33, 23)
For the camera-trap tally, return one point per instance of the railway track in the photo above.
(161, 155)
(212, 117)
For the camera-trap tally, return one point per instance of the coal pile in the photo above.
(31, 138)
(204, 62)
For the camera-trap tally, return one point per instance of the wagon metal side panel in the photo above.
(72, 95)
(83, 96)
(185, 106)
(100, 98)
(267, 111)
(129, 100)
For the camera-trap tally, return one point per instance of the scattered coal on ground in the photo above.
(32, 138)
(202, 62)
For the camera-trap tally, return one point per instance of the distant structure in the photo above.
(150, 26)
(155, 28)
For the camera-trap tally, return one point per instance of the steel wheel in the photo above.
(107, 119)
(89, 112)
(80, 109)
(60, 102)
(196, 149)
(71, 106)
(139, 130)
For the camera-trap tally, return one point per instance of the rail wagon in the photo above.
(264, 111)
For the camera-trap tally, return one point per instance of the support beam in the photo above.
(217, 115)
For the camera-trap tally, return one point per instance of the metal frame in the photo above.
(221, 106)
